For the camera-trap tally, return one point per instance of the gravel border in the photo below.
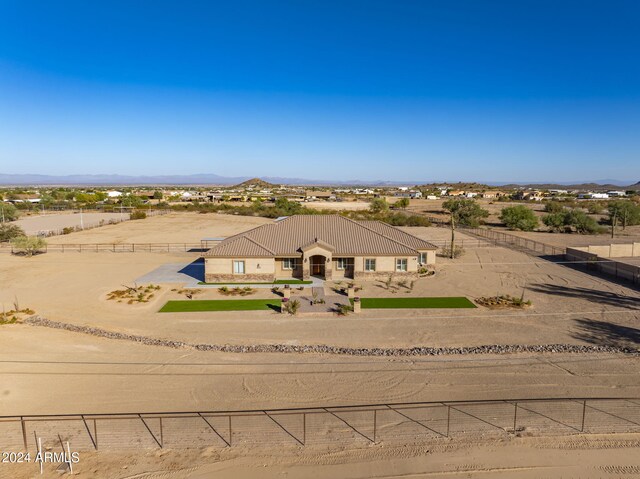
(326, 349)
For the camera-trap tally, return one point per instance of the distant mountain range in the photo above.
(212, 179)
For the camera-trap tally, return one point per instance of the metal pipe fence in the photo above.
(374, 423)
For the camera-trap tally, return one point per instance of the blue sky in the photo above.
(397, 90)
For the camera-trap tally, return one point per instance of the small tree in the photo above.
(465, 212)
(582, 223)
(157, 195)
(555, 221)
(9, 232)
(8, 212)
(519, 218)
(553, 207)
(379, 205)
(623, 212)
(402, 203)
(28, 245)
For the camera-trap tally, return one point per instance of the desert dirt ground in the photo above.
(338, 205)
(34, 224)
(48, 371)
(170, 228)
(574, 457)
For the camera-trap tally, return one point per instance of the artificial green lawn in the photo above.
(190, 306)
(278, 281)
(416, 303)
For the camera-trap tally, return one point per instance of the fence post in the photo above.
(515, 417)
(24, 432)
(448, 419)
(375, 423)
(230, 433)
(584, 412)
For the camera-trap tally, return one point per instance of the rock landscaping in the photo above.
(326, 349)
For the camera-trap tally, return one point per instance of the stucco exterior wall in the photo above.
(280, 272)
(218, 270)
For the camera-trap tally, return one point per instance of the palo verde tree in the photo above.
(623, 212)
(379, 205)
(519, 217)
(402, 203)
(463, 212)
(8, 212)
(10, 231)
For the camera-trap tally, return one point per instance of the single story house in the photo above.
(325, 246)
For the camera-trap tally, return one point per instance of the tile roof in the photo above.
(345, 236)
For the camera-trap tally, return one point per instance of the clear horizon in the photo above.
(375, 91)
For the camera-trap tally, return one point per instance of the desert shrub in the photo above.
(28, 245)
(553, 207)
(503, 301)
(378, 205)
(447, 252)
(582, 223)
(68, 229)
(344, 309)
(8, 212)
(291, 307)
(572, 220)
(137, 215)
(554, 221)
(136, 294)
(9, 232)
(595, 207)
(519, 218)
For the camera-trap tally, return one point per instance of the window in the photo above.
(238, 267)
(289, 263)
(422, 258)
(401, 264)
(341, 263)
(369, 264)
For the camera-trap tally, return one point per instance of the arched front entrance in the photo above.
(318, 266)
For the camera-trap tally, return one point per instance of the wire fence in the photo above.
(529, 246)
(116, 248)
(125, 216)
(387, 423)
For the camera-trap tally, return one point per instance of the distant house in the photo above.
(617, 193)
(24, 198)
(114, 194)
(325, 246)
(413, 194)
(319, 195)
(493, 194)
(590, 195)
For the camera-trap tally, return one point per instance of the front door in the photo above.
(317, 265)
